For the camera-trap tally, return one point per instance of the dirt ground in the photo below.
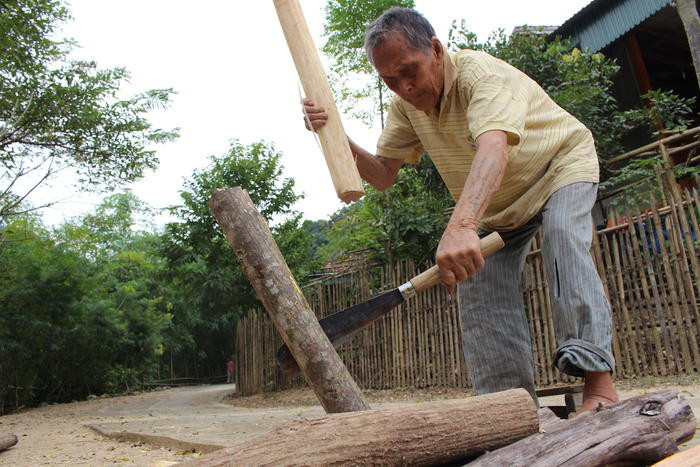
(60, 434)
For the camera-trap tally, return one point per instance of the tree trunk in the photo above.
(265, 268)
(7, 442)
(422, 434)
(641, 430)
(688, 11)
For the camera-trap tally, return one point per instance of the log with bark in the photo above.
(638, 431)
(7, 442)
(430, 433)
(249, 235)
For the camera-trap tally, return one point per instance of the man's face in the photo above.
(417, 76)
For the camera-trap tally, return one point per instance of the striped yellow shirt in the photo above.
(548, 148)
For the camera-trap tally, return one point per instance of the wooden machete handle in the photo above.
(489, 244)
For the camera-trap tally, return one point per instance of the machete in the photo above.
(342, 326)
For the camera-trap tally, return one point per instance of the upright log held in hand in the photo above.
(336, 149)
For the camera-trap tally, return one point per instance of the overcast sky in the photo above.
(234, 77)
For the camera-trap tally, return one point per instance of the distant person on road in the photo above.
(229, 371)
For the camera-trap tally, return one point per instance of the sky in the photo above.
(234, 76)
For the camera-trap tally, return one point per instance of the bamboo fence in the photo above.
(649, 267)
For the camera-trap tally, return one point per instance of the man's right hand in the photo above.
(314, 117)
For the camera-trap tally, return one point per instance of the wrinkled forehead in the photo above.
(394, 50)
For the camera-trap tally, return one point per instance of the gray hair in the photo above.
(415, 28)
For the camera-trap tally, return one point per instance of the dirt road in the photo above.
(164, 427)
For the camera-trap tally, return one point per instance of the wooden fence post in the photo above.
(248, 234)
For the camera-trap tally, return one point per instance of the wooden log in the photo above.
(682, 459)
(6, 442)
(430, 433)
(641, 430)
(249, 236)
(336, 148)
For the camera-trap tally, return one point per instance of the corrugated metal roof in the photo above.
(602, 21)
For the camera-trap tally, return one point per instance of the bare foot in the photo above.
(599, 388)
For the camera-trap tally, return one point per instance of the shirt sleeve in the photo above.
(398, 139)
(497, 101)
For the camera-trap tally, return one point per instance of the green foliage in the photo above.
(82, 309)
(210, 291)
(664, 114)
(57, 113)
(358, 88)
(405, 221)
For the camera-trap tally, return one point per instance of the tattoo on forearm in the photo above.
(485, 174)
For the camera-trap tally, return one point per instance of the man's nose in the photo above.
(407, 87)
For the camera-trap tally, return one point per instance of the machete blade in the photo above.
(342, 326)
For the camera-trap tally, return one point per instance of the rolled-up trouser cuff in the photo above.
(576, 356)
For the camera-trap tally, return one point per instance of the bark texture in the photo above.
(7, 442)
(688, 11)
(422, 434)
(639, 431)
(249, 235)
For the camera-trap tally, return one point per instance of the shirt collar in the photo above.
(450, 76)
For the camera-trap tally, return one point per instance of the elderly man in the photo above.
(514, 162)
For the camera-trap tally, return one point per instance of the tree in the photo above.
(358, 88)
(405, 221)
(58, 114)
(210, 289)
(82, 309)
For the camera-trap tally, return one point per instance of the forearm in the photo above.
(485, 176)
(380, 172)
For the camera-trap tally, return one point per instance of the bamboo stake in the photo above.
(635, 331)
(626, 334)
(667, 280)
(687, 294)
(660, 318)
(613, 302)
(643, 300)
(543, 295)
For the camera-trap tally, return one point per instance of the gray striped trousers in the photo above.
(495, 335)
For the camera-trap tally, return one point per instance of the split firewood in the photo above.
(640, 430)
(7, 442)
(431, 433)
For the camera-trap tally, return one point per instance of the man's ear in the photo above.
(437, 47)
